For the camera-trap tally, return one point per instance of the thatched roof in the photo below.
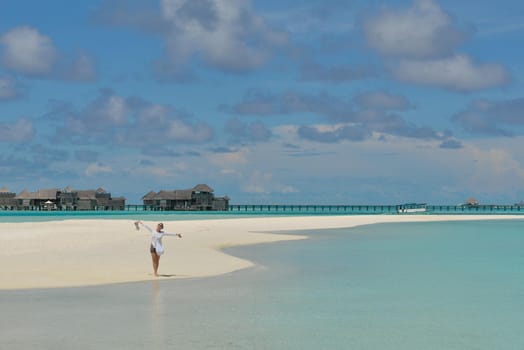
(51, 194)
(25, 194)
(169, 195)
(86, 194)
(165, 195)
(202, 188)
(47, 193)
(183, 194)
(174, 195)
(40, 194)
(177, 194)
(149, 196)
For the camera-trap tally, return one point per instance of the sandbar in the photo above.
(74, 253)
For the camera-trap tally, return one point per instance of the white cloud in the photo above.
(158, 172)
(94, 169)
(226, 34)
(183, 131)
(230, 158)
(81, 68)
(9, 89)
(420, 31)
(112, 119)
(157, 123)
(27, 51)
(308, 17)
(247, 132)
(287, 189)
(382, 100)
(491, 168)
(230, 172)
(230, 163)
(457, 72)
(420, 44)
(114, 110)
(101, 115)
(20, 131)
(492, 117)
(259, 182)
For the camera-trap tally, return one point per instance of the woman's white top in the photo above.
(156, 239)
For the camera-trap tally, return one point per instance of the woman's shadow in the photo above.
(168, 275)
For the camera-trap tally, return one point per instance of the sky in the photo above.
(266, 101)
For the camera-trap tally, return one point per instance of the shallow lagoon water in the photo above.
(248, 212)
(442, 285)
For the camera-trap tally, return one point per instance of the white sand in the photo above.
(93, 252)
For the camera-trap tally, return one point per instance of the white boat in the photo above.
(411, 208)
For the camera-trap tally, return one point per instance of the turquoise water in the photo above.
(442, 285)
(250, 211)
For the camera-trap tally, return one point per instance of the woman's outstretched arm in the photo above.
(179, 235)
(137, 223)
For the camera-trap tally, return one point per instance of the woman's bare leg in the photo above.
(156, 262)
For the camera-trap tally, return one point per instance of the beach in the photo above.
(73, 253)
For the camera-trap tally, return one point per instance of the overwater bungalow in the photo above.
(7, 199)
(200, 197)
(68, 199)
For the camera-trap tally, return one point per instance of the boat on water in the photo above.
(408, 208)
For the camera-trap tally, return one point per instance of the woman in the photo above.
(156, 247)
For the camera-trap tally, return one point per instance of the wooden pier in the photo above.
(491, 208)
(374, 209)
(333, 209)
(313, 208)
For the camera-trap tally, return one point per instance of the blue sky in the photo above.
(331, 102)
